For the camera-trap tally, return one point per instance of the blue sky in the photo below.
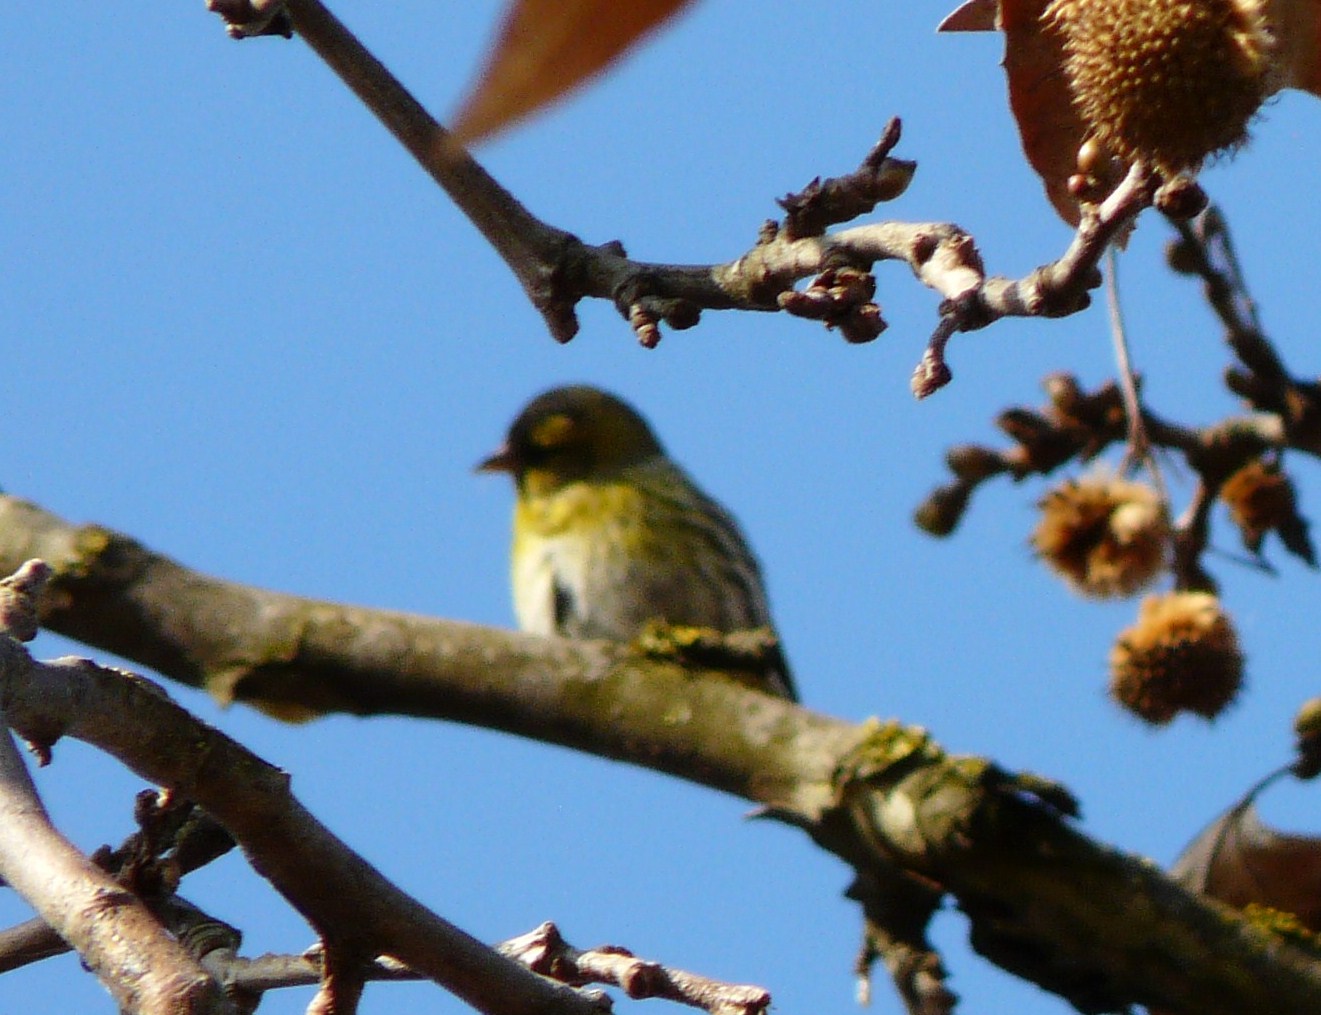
(244, 328)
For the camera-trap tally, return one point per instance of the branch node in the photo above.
(561, 320)
(246, 19)
(19, 597)
(840, 298)
(682, 314)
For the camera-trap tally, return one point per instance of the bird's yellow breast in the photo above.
(576, 541)
(579, 508)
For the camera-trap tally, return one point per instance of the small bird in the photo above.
(609, 533)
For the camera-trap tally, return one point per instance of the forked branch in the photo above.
(557, 270)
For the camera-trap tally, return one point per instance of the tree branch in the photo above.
(556, 269)
(884, 798)
(140, 963)
(1205, 249)
(544, 950)
(133, 720)
(174, 839)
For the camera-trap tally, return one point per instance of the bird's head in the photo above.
(570, 434)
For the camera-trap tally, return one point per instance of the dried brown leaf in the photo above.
(1300, 43)
(973, 16)
(1050, 129)
(548, 47)
(1241, 861)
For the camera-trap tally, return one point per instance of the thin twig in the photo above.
(544, 950)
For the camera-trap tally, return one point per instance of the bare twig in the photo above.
(1139, 446)
(19, 594)
(343, 977)
(255, 977)
(897, 909)
(246, 19)
(842, 199)
(1077, 426)
(544, 950)
(1205, 249)
(1055, 290)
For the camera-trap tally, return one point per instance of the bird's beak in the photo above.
(502, 461)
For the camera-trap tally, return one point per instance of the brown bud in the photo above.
(1307, 730)
(1307, 722)
(1184, 257)
(941, 512)
(1181, 197)
(973, 463)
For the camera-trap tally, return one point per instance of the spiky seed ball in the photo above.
(1307, 730)
(1260, 498)
(1181, 656)
(1104, 535)
(1167, 82)
(1307, 723)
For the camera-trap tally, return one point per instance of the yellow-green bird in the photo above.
(609, 533)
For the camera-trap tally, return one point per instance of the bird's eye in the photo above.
(554, 431)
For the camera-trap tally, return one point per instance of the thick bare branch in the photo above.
(882, 797)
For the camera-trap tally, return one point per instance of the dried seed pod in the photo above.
(1181, 656)
(1166, 82)
(1104, 535)
(1260, 498)
(1307, 730)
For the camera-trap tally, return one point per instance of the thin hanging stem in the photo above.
(1139, 445)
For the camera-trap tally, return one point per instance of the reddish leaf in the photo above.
(1050, 129)
(548, 47)
(973, 16)
(1239, 861)
(1299, 35)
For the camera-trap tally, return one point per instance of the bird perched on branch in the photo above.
(610, 534)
